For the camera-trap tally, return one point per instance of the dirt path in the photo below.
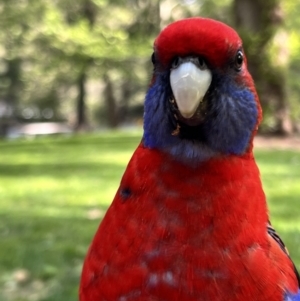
(292, 143)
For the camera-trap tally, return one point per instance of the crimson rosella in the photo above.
(189, 220)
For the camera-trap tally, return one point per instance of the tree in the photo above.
(258, 22)
(91, 42)
(18, 19)
(51, 51)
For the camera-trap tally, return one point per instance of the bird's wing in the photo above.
(272, 232)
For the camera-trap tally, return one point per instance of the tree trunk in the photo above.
(89, 12)
(257, 22)
(11, 95)
(81, 122)
(125, 100)
(111, 105)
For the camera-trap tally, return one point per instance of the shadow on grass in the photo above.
(50, 249)
(60, 170)
(103, 142)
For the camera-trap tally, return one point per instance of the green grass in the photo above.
(280, 171)
(54, 191)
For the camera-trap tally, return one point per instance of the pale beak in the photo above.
(189, 84)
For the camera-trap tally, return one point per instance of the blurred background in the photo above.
(85, 64)
(73, 76)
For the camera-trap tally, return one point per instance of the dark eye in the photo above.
(153, 60)
(176, 62)
(201, 63)
(239, 59)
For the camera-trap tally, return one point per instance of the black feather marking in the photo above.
(272, 232)
(125, 193)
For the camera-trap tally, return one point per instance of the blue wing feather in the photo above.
(292, 297)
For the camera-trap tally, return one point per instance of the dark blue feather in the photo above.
(292, 297)
(227, 129)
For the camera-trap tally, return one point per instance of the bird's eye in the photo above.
(176, 62)
(239, 59)
(201, 63)
(153, 60)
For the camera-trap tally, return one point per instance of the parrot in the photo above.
(190, 219)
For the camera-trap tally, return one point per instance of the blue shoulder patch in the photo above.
(292, 297)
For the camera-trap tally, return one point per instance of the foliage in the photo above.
(46, 45)
(55, 191)
(57, 41)
(292, 25)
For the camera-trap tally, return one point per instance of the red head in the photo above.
(200, 66)
(214, 40)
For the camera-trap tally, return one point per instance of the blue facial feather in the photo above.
(235, 115)
(158, 125)
(231, 118)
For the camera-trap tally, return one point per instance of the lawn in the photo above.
(54, 191)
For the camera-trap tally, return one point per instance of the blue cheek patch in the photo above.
(157, 116)
(232, 117)
(159, 125)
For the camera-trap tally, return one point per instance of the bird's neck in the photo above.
(221, 195)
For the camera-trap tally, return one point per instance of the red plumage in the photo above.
(162, 231)
(211, 39)
(182, 230)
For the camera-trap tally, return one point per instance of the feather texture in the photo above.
(189, 220)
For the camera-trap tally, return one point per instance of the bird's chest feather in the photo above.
(171, 228)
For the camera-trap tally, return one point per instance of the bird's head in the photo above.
(202, 101)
